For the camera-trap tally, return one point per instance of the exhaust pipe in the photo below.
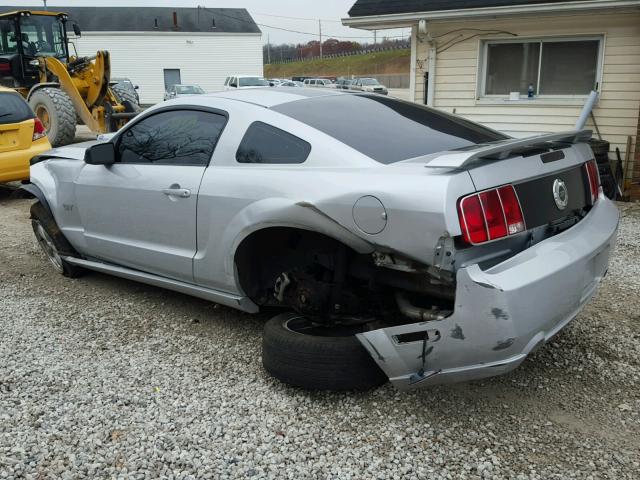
(417, 313)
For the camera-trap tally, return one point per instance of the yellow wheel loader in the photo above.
(61, 88)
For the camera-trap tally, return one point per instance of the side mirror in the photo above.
(76, 30)
(136, 87)
(100, 154)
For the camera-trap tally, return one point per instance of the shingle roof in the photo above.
(365, 8)
(143, 19)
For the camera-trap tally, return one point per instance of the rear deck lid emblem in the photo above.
(560, 194)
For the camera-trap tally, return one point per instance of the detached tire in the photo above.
(52, 242)
(126, 98)
(317, 362)
(55, 110)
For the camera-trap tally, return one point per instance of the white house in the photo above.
(158, 47)
(522, 66)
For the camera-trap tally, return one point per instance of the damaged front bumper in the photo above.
(504, 313)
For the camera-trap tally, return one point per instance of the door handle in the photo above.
(177, 192)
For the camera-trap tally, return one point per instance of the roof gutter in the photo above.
(406, 19)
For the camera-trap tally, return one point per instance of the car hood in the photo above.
(73, 152)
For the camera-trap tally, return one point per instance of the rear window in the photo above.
(385, 129)
(13, 108)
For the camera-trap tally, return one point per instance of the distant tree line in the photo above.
(287, 52)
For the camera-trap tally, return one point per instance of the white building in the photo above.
(158, 47)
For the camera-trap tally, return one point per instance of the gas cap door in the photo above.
(370, 215)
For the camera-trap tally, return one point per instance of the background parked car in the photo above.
(127, 85)
(22, 136)
(288, 83)
(317, 82)
(245, 81)
(369, 85)
(176, 91)
(343, 83)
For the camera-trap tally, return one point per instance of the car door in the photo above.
(141, 211)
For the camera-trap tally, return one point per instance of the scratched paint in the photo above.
(499, 314)
(503, 344)
(457, 333)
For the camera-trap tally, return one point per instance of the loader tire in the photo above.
(55, 110)
(126, 98)
(315, 360)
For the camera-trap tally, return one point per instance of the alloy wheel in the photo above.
(47, 246)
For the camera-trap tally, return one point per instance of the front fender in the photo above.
(36, 192)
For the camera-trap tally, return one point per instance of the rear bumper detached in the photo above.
(504, 313)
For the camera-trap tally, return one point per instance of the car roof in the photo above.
(270, 97)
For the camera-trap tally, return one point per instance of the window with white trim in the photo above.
(560, 67)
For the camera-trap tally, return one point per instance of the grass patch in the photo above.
(392, 61)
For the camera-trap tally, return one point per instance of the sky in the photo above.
(265, 12)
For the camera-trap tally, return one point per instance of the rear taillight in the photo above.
(38, 130)
(5, 68)
(594, 179)
(490, 215)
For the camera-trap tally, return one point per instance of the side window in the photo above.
(226, 82)
(266, 144)
(176, 137)
(233, 82)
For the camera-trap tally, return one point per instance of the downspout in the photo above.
(587, 110)
(431, 87)
(414, 59)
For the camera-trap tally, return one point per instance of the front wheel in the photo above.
(52, 242)
(304, 354)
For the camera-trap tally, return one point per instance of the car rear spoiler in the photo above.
(507, 149)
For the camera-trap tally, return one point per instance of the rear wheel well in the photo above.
(265, 254)
(319, 276)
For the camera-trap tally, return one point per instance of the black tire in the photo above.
(55, 109)
(41, 216)
(127, 98)
(337, 363)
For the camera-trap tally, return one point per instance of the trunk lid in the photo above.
(535, 167)
(16, 136)
(535, 178)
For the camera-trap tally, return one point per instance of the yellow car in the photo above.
(22, 136)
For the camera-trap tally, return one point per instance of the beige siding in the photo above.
(457, 76)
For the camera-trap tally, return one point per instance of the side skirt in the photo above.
(223, 298)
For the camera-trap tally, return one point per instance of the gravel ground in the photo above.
(105, 378)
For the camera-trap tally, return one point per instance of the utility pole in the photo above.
(375, 37)
(268, 50)
(45, 5)
(320, 30)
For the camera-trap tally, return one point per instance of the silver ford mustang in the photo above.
(400, 242)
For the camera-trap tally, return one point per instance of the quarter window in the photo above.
(176, 137)
(560, 67)
(266, 144)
